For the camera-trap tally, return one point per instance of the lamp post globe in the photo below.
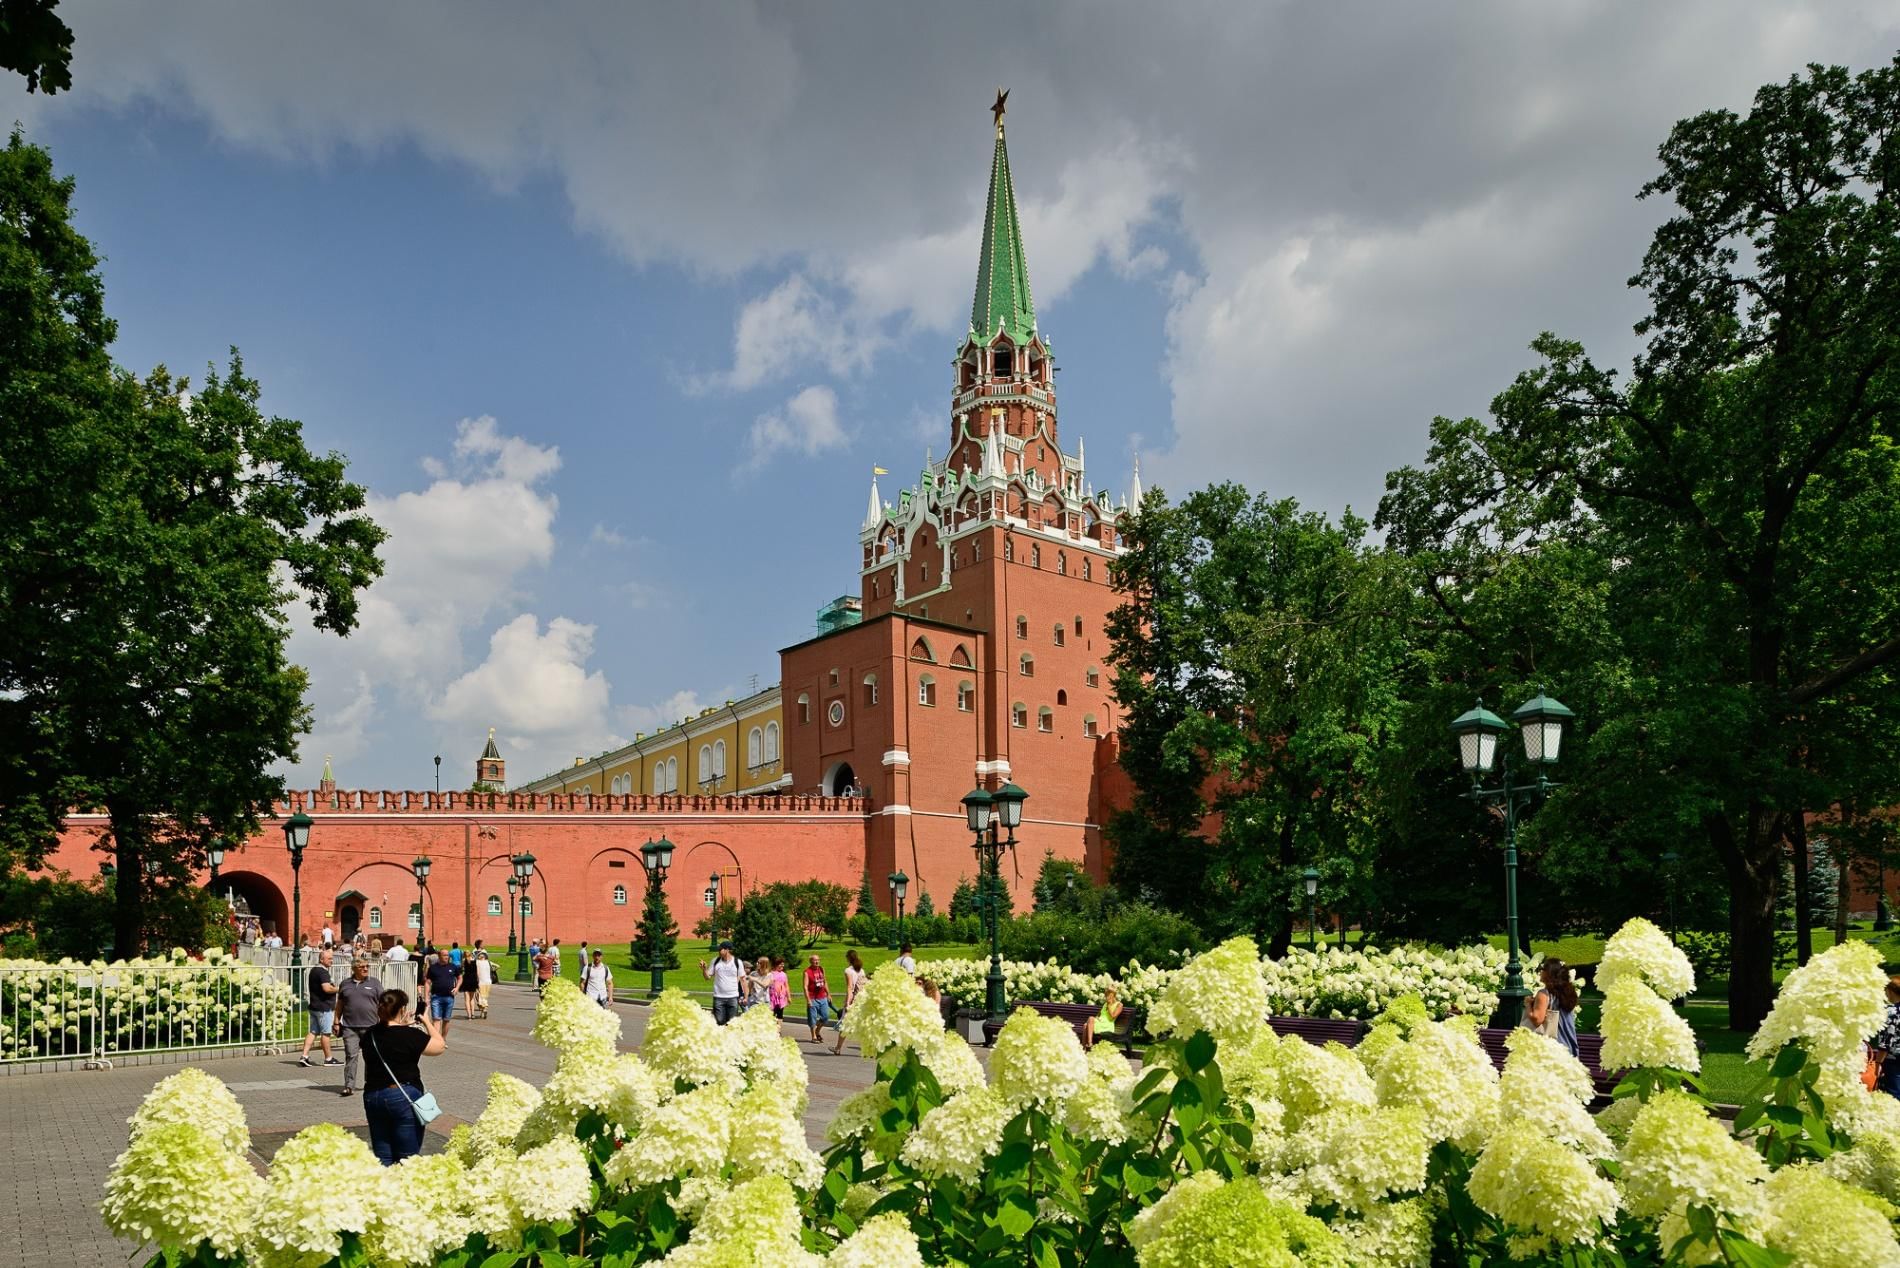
(977, 807)
(1009, 801)
(1478, 730)
(297, 840)
(1541, 721)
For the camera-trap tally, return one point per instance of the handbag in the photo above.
(1870, 1073)
(425, 1107)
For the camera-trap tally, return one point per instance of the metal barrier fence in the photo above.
(95, 1013)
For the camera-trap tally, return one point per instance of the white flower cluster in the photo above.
(1342, 982)
(71, 1007)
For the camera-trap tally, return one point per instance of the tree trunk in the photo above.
(128, 886)
(1283, 925)
(1803, 886)
(1754, 870)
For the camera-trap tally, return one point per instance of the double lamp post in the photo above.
(991, 814)
(1540, 721)
(899, 883)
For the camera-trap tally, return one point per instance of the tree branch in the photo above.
(1847, 671)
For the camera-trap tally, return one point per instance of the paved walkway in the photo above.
(63, 1130)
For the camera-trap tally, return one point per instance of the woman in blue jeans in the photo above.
(392, 1052)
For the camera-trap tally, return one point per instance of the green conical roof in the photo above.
(1002, 274)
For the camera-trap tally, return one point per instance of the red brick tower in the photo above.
(981, 654)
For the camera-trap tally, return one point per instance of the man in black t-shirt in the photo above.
(444, 979)
(322, 999)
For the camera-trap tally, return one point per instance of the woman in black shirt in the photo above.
(392, 1079)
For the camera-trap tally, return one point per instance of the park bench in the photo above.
(1589, 1051)
(1320, 1031)
(1077, 1015)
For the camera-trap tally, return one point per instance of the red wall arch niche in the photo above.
(491, 881)
(391, 888)
(264, 899)
(695, 865)
(597, 899)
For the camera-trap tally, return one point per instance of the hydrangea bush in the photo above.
(1331, 982)
(1230, 1147)
(72, 1007)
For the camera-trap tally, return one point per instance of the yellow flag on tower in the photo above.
(879, 471)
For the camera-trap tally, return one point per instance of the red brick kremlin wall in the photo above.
(363, 842)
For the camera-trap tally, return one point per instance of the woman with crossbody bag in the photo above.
(394, 1099)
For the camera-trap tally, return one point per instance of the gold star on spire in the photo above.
(1001, 107)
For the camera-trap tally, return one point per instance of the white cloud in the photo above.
(459, 552)
(601, 535)
(534, 687)
(790, 328)
(648, 718)
(806, 425)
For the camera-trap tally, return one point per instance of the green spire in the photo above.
(1002, 274)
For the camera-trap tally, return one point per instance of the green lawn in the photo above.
(632, 979)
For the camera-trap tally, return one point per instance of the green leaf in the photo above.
(1200, 1050)
(1788, 1062)
(1185, 1100)
(1147, 1083)
(836, 1185)
(1015, 1216)
(502, 1259)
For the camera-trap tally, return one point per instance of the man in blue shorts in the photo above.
(322, 1009)
(444, 979)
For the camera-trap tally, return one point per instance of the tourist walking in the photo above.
(1552, 1011)
(471, 986)
(818, 1008)
(397, 951)
(358, 999)
(484, 982)
(724, 973)
(443, 978)
(907, 961)
(455, 954)
(544, 966)
(555, 951)
(854, 981)
(583, 957)
(392, 1076)
(597, 981)
(778, 989)
(1884, 1048)
(322, 995)
(329, 936)
(756, 989)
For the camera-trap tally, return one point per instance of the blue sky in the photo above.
(613, 311)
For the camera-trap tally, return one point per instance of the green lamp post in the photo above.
(420, 866)
(1310, 878)
(899, 883)
(296, 840)
(658, 857)
(990, 814)
(1540, 721)
(524, 872)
